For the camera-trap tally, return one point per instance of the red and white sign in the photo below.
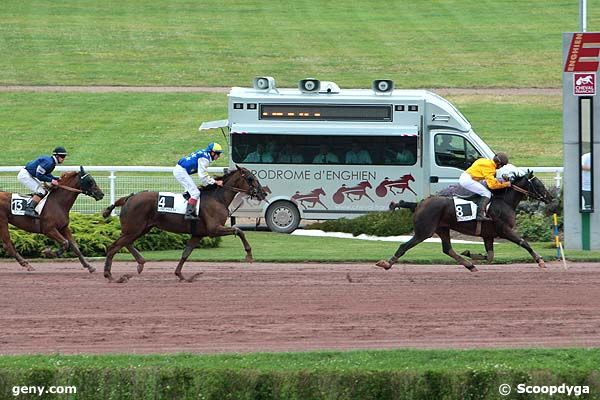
(584, 84)
(584, 52)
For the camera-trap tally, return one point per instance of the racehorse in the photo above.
(436, 214)
(139, 215)
(54, 219)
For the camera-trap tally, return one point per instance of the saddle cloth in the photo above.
(465, 210)
(173, 203)
(18, 203)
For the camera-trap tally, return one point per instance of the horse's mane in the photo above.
(219, 177)
(67, 175)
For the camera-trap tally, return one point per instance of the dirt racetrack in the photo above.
(238, 307)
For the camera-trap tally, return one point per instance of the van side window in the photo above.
(454, 151)
(324, 149)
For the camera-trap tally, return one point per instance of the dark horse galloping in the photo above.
(54, 220)
(139, 215)
(436, 214)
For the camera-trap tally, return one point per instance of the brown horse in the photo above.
(139, 215)
(54, 219)
(436, 214)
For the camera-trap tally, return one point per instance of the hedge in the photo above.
(94, 234)
(141, 382)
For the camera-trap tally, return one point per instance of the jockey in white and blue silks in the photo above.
(198, 162)
(38, 171)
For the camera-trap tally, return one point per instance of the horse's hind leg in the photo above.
(10, 248)
(489, 248)
(122, 241)
(444, 234)
(189, 247)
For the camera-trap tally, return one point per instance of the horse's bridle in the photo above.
(252, 192)
(85, 191)
(534, 194)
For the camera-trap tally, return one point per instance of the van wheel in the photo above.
(283, 217)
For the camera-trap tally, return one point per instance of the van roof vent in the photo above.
(329, 87)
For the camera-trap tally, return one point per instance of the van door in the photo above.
(452, 153)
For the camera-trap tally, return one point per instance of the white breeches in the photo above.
(31, 183)
(469, 183)
(186, 181)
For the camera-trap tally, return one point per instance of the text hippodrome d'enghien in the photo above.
(316, 175)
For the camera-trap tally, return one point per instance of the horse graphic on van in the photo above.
(359, 191)
(314, 198)
(403, 184)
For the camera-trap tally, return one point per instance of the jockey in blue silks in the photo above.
(197, 161)
(38, 171)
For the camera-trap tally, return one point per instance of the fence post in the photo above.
(558, 179)
(112, 178)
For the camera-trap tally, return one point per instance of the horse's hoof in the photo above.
(48, 253)
(140, 268)
(249, 259)
(383, 264)
(29, 268)
(472, 268)
(542, 265)
(91, 269)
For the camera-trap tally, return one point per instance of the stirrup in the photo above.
(31, 213)
(190, 216)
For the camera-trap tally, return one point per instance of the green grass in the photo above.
(378, 360)
(274, 247)
(157, 129)
(440, 43)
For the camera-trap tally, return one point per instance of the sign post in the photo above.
(581, 113)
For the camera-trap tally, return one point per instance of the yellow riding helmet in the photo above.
(216, 147)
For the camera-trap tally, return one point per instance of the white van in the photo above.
(325, 153)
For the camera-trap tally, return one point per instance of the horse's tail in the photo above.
(403, 204)
(118, 203)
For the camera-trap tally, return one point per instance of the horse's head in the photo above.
(532, 187)
(250, 184)
(88, 186)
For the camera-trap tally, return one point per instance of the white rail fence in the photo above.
(118, 181)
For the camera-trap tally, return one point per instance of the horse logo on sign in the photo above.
(584, 84)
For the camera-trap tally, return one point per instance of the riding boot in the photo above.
(30, 209)
(190, 212)
(481, 205)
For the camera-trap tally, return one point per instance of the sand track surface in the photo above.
(239, 307)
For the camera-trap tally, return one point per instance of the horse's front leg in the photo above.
(10, 248)
(66, 232)
(444, 234)
(515, 238)
(234, 230)
(189, 247)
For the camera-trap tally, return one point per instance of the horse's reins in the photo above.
(70, 189)
(527, 192)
